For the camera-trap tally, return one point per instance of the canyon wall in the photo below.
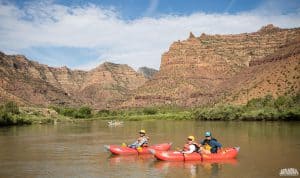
(195, 71)
(203, 70)
(31, 83)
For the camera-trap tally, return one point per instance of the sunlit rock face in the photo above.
(31, 83)
(208, 69)
(198, 70)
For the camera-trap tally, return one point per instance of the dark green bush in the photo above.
(11, 107)
(6, 119)
(6, 113)
(268, 100)
(103, 113)
(82, 112)
(283, 102)
(10, 115)
(222, 112)
(149, 111)
(70, 112)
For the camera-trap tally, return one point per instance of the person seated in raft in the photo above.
(190, 146)
(142, 141)
(209, 144)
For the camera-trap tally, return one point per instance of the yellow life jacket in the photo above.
(207, 147)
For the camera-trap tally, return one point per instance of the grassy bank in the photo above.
(149, 113)
(267, 108)
(283, 108)
(12, 114)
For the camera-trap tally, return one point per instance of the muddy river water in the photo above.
(76, 149)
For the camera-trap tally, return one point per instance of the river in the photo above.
(76, 149)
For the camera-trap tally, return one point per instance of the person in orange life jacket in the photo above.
(142, 141)
(190, 146)
(209, 144)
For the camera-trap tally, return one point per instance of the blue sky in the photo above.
(82, 34)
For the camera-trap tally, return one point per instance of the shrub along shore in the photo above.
(283, 108)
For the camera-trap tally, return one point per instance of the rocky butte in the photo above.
(202, 70)
(225, 68)
(30, 83)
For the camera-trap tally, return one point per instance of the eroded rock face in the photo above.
(276, 74)
(193, 71)
(147, 72)
(200, 70)
(109, 84)
(31, 83)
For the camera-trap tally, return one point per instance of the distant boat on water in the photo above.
(115, 123)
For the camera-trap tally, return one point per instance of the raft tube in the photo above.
(225, 153)
(124, 150)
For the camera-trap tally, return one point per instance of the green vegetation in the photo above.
(82, 112)
(266, 108)
(10, 115)
(149, 113)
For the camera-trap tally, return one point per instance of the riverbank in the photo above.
(12, 114)
(283, 108)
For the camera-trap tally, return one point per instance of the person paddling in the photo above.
(190, 146)
(209, 144)
(142, 141)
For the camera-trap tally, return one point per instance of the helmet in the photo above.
(207, 134)
(191, 137)
(142, 131)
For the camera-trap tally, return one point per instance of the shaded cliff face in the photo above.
(147, 72)
(195, 71)
(31, 83)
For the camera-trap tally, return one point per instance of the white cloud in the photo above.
(137, 42)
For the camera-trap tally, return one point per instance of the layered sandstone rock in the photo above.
(276, 74)
(109, 84)
(200, 70)
(31, 83)
(193, 71)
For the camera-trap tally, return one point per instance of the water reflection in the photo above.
(193, 168)
(122, 160)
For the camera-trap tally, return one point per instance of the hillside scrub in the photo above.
(283, 108)
(10, 115)
(82, 112)
(148, 113)
(266, 108)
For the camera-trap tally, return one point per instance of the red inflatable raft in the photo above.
(225, 153)
(123, 150)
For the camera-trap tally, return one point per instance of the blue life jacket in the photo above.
(213, 143)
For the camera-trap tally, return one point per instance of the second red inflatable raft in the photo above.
(225, 153)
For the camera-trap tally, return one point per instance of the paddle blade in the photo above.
(152, 151)
(106, 147)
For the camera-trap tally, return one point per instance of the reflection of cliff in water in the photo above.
(193, 168)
